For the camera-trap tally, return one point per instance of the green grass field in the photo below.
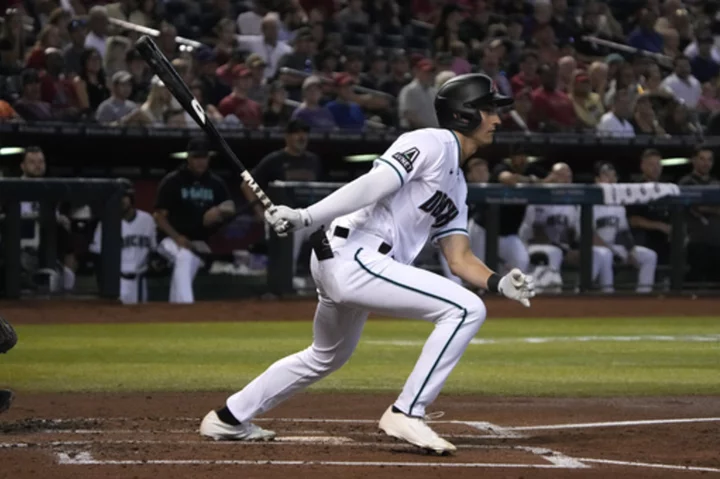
(642, 356)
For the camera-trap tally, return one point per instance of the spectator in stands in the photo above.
(57, 89)
(237, 102)
(347, 114)
(624, 80)
(12, 42)
(691, 51)
(417, 99)
(653, 83)
(141, 75)
(460, 64)
(683, 85)
(121, 9)
(519, 118)
(310, 111)
(352, 14)
(566, 73)
(98, 24)
(598, 74)
(703, 222)
(546, 44)
(708, 102)
(671, 43)
(448, 28)
(528, 74)
(399, 74)
(30, 106)
(678, 121)
(225, 39)
(675, 17)
(587, 104)
(267, 45)
(353, 65)
(552, 109)
(644, 120)
(703, 66)
(490, 65)
(159, 101)
(144, 14)
(258, 89)
(250, 22)
(651, 221)
(166, 40)
(616, 122)
(118, 109)
(196, 87)
(292, 163)
(644, 37)
(49, 37)
(301, 59)
(591, 26)
(90, 84)
(192, 204)
(74, 50)
(114, 59)
(214, 89)
(8, 113)
(327, 62)
(443, 77)
(377, 73)
(276, 112)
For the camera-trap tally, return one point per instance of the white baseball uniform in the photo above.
(610, 221)
(370, 271)
(139, 238)
(560, 223)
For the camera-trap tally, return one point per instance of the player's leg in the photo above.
(142, 289)
(513, 252)
(129, 290)
(602, 268)
(646, 261)
(336, 332)
(185, 266)
(553, 254)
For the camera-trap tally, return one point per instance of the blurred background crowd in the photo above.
(359, 64)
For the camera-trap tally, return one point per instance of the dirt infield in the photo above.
(335, 435)
(71, 311)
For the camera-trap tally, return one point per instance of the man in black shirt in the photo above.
(651, 222)
(703, 223)
(192, 203)
(292, 163)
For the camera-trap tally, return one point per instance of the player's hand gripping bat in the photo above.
(166, 72)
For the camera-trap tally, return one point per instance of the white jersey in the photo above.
(431, 201)
(139, 238)
(609, 221)
(557, 221)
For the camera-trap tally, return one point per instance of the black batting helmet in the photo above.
(460, 99)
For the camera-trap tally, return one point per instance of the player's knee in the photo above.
(184, 256)
(475, 311)
(603, 254)
(325, 362)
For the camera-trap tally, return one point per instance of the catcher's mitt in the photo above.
(8, 337)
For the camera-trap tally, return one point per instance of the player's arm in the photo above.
(464, 264)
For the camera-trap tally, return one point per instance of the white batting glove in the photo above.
(518, 286)
(284, 220)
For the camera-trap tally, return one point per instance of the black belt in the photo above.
(342, 232)
(131, 275)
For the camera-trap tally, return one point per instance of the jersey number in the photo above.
(441, 207)
(407, 158)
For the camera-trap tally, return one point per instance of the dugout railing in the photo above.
(302, 194)
(105, 194)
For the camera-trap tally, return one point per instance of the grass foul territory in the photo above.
(552, 357)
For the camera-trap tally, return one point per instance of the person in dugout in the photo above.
(192, 204)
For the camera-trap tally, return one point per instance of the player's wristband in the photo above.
(493, 283)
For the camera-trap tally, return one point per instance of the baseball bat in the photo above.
(162, 67)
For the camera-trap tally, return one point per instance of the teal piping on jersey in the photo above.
(430, 295)
(451, 230)
(457, 142)
(402, 182)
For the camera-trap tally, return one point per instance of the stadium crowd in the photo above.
(264, 62)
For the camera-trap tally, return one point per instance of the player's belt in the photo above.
(342, 232)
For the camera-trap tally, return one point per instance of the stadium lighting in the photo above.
(11, 150)
(674, 161)
(180, 155)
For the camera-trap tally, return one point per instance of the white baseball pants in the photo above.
(645, 262)
(356, 281)
(511, 251)
(185, 266)
(133, 291)
(602, 262)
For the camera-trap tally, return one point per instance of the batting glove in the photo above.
(518, 286)
(284, 220)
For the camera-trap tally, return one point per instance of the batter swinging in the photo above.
(377, 225)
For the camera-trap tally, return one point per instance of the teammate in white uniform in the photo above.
(551, 231)
(611, 226)
(139, 238)
(415, 191)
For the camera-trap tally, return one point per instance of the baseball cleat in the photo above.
(415, 431)
(6, 399)
(214, 428)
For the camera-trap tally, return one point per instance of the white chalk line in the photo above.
(86, 459)
(498, 431)
(696, 338)
(589, 425)
(651, 465)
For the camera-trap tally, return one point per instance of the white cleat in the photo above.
(214, 428)
(415, 431)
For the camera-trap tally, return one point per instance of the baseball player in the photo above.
(377, 224)
(8, 340)
(611, 227)
(139, 239)
(553, 231)
(192, 203)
